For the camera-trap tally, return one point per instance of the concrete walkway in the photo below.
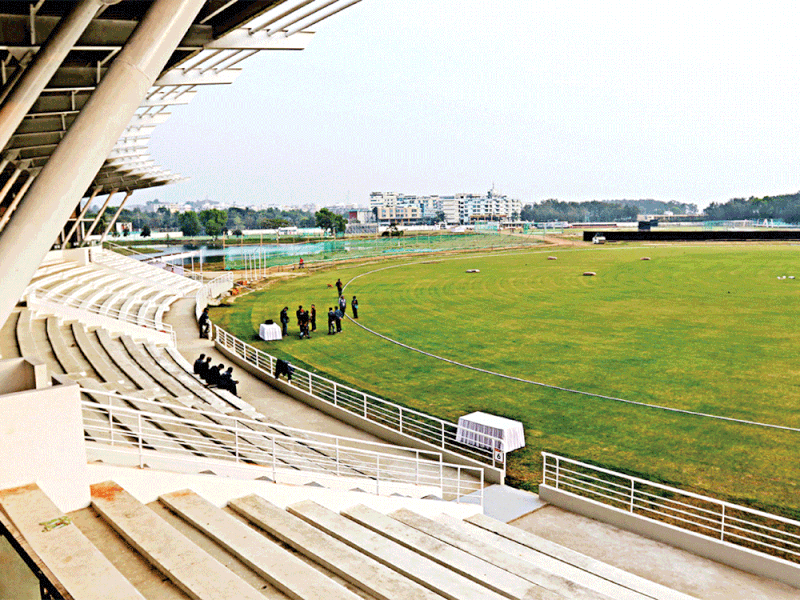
(674, 568)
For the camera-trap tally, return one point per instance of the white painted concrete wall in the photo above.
(41, 441)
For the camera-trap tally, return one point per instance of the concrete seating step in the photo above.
(182, 367)
(191, 568)
(61, 349)
(43, 283)
(155, 435)
(124, 362)
(455, 559)
(179, 379)
(78, 565)
(38, 330)
(162, 378)
(282, 569)
(568, 588)
(8, 337)
(644, 587)
(367, 574)
(24, 338)
(93, 352)
(410, 564)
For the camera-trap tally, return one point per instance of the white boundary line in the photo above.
(538, 383)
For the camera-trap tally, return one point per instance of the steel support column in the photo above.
(14, 176)
(115, 217)
(88, 142)
(50, 56)
(98, 217)
(15, 202)
(82, 213)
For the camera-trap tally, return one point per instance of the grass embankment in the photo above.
(706, 329)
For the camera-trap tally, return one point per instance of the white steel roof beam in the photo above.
(322, 18)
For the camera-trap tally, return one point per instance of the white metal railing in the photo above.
(437, 432)
(212, 289)
(109, 420)
(133, 269)
(96, 314)
(723, 521)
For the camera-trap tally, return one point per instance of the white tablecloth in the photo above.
(269, 332)
(478, 428)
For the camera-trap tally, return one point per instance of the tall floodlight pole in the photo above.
(44, 65)
(86, 145)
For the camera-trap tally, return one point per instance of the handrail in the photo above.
(726, 522)
(210, 290)
(282, 449)
(438, 432)
(57, 303)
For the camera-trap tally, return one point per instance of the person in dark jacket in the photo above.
(284, 320)
(205, 368)
(205, 323)
(227, 382)
(339, 316)
(213, 374)
(313, 318)
(198, 364)
(331, 321)
(354, 304)
(299, 314)
(342, 305)
(339, 286)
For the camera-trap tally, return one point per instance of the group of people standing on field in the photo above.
(307, 320)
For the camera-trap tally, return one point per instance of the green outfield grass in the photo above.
(707, 329)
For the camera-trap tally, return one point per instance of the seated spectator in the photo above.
(227, 382)
(213, 374)
(198, 364)
(205, 368)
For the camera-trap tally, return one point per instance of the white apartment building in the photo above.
(458, 209)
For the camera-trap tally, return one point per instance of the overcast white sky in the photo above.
(577, 100)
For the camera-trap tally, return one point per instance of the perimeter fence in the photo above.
(258, 259)
(723, 521)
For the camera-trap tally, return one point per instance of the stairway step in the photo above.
(191, 568)
(365, 573)
(73, 559)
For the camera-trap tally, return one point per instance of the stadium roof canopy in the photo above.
(223, 35)
(83, 83)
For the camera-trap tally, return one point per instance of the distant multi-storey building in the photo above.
(457, 209)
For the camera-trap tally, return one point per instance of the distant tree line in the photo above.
(596, 210)
(785, 208)
(215, 222)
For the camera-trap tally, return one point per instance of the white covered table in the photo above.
(269, 332)
(478, 428)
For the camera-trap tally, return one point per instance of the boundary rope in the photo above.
(539, 383)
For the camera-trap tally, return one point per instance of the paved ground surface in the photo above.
(652, 560)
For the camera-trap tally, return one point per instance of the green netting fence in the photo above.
(261, 257)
